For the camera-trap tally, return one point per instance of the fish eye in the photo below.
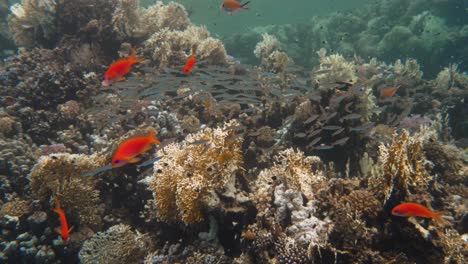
(116, 161)
(396, 212)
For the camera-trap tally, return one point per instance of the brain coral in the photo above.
(186, 176)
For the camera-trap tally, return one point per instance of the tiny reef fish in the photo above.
(63, 230)
(130, 148)
(414, 209)
(233, 6)
(119, 68)
(189, 63)
(388, 92)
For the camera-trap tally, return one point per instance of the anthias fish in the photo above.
(64, 231)
(233, 5)
(414, 209)
(189, 63)
(119, 68)
(130, 148)
(388, 92)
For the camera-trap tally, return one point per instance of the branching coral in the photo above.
(403, 167)
(271, 55)
(171, 47)
(185, 177)
(33, 22)
(334, 68)
(59, 176)
(118, 244)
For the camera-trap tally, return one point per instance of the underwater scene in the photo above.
(233, 131)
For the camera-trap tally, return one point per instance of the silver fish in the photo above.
(351, 116)
(338, 132)
(311, 119)
(323, 147)
(341, 141)
(331, 127)
(148, 162)
(98, 170)
(315, 141)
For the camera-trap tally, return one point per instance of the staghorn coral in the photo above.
(185, 178)
(269, 51)
(170, 47)
(403, 167)
(118, 244)
(59, 176)
(32, 22)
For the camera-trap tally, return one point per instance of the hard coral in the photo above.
(118, 244)
(185, 177)
(271, 55)
(334, 68)
(171, 47)
(59, 176)
(403, 167)
(32, 22)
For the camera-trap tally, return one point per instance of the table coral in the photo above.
(186, 176)
(59, 176)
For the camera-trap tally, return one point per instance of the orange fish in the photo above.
(233, 5)
(189, 63)
(130, 148)
(414, 209)
(119, 68)
(64, 231)
(388, 92)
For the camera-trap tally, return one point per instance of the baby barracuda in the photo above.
(64, 231)
(130, 148)
(119, 68)
(189, 63)
(233, 6)
(414, 209)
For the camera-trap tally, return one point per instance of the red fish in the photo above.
(233, 5)
(189, 63)
(388, 92)
(64, 231)
(414, 209)
(130, 148)
(119, 68)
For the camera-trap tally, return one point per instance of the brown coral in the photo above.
(185, 177)
(59, 175)
(402, 166)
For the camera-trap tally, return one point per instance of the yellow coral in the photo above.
(59, 175)
(185, 176)
(335, 68)
(402, 166)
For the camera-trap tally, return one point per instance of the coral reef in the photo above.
(59, 176)
(272, 57)
(185, 178)
(118, 244)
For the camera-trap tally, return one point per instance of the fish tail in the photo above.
(244, 5)
(133, 57)
(438, 217)
(152, 135)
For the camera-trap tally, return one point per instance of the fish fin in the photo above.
(58, 230)
(152, 136)
(133, 57)
(244, 5)
(134, 160)
(438, 217)
(120, 79)
(70, 229)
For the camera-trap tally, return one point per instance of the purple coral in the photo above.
(413, 122)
